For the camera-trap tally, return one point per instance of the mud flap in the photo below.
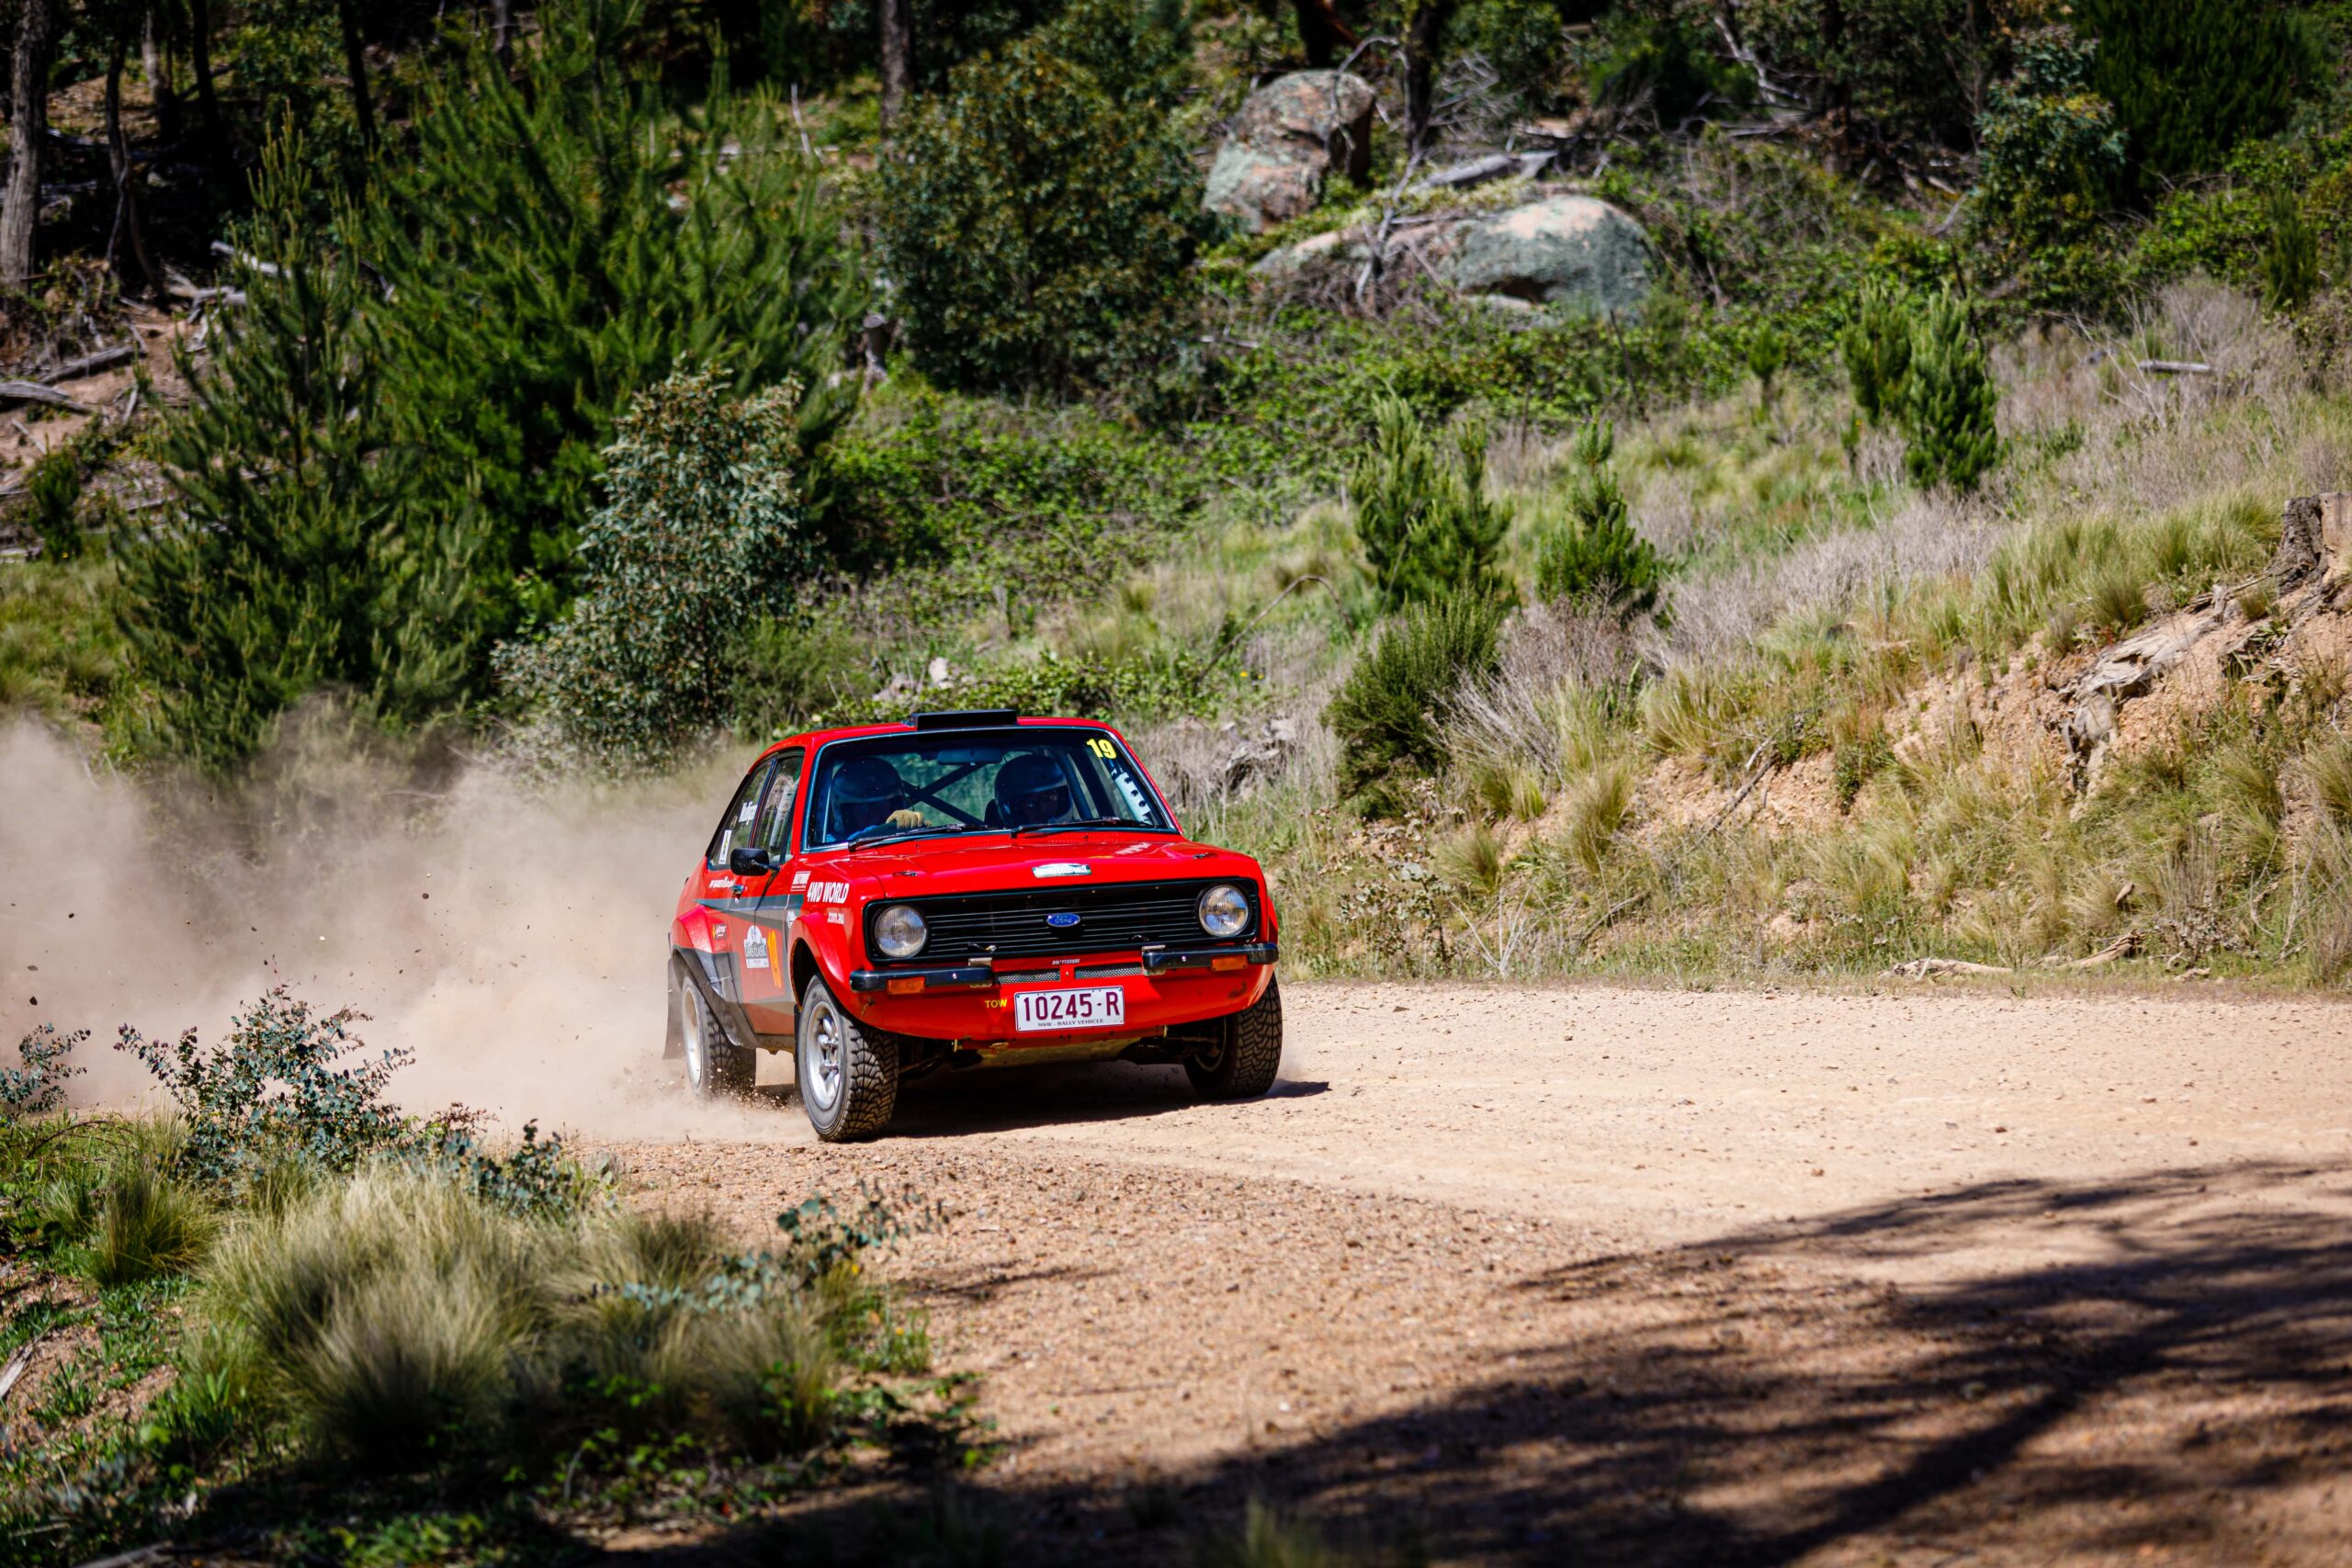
(712, 975)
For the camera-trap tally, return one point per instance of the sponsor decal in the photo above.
(1061, 868)
(750, 809)
(827, 892)
(799, 880)
(718, 933)
(755, 949)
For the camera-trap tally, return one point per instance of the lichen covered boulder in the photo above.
(1289, 137)
(1565, 250)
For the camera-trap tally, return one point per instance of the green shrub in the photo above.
(2291, 257)
(2190, 79)
(1040, 218)
(1876, 348)
(2052, 150)
(1428, 529)
(702, 525)
(36, 1086)
(53, 495)
(1663, 61)
(279, 1084)
(1589, 550)
(791, 669)
(1387, 714)
(1948, 400)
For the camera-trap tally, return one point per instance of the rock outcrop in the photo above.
(1292, 135)
(1564, 250)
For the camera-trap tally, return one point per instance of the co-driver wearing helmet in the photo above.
(1032, 791)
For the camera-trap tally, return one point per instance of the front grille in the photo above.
(1117, 919)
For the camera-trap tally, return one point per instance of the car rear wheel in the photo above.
(716, 1066)
(848, 1074)
(1247, 1055)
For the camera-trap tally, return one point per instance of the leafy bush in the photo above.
(1387, 714)
(1876, 348)
(1428, 529)
(1589, 550)
(702, 525)
(2052, 150)
(36, 1086)
(1948, 401)
(273, 1087)
(2190, 79)
(1040, 218)
(1662, 63)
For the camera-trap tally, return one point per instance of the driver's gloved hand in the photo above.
(907, 817)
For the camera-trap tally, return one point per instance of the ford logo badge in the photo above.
(1061, 919)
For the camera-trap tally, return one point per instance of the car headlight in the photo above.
(899, 931)
(1224, 910)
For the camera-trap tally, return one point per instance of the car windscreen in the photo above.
(1028, 778)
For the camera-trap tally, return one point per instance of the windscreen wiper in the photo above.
(1081, 822)
(903, 834)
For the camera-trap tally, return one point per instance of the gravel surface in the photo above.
(1534, 1275)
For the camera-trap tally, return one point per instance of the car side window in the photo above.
(735, 827)
(773, 825)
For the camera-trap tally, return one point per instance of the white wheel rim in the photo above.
(697, 1070)
(820, 1059)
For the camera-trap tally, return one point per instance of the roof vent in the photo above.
(969, 718)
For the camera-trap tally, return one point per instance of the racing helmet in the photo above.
(866, 791)
(1031, 789)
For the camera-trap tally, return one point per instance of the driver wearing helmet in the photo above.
(869, 794)
(1031, 791)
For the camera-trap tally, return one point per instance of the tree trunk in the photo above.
(355, 63)
(200, 59)
(29, 91)
(502, 31)
(1833, 64)
(898, 59)
(126, 184)
(155, 66)
(1320, 32)
(1424, 37)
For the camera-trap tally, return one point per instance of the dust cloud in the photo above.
(511, 935)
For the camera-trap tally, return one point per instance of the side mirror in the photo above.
(750, 861)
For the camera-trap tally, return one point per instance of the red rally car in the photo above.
(967, 889)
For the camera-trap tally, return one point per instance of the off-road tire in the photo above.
(1247, 1054)
(717, 1067)
(847, 1074)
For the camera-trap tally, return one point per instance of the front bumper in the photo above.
(968, 977)
(973, 1004)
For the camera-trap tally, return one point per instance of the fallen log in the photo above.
(2176, 367)
(90, 364)
(34, 392)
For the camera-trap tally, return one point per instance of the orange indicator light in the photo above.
(907, 986)
(1235, 962)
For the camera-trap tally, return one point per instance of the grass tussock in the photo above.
(400, 1316)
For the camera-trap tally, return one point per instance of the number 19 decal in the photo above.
(1101, 748)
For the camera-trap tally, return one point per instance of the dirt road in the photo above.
(1540, 1275)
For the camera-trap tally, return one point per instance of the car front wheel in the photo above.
(848, 1074)
(1246, 1054)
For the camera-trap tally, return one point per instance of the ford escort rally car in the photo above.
(965, 890)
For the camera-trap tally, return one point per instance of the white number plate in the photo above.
(1096, 1006)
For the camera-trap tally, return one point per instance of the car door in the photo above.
(764, 944)
(727, 898)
